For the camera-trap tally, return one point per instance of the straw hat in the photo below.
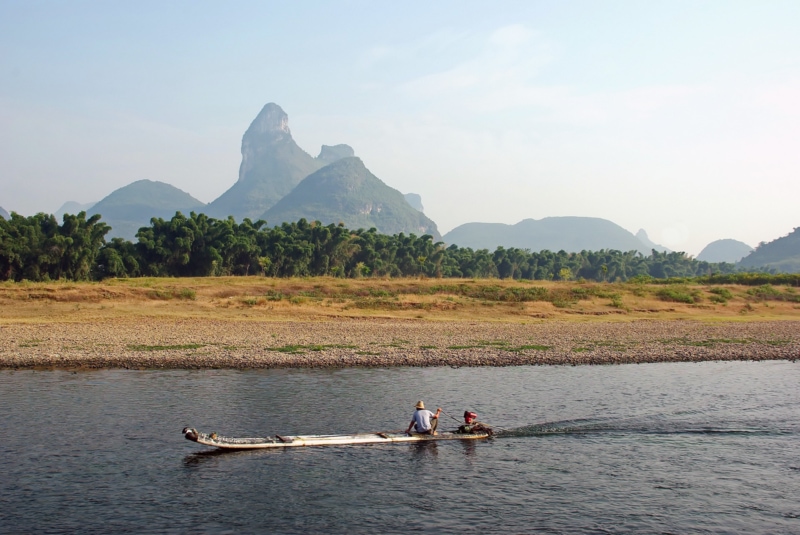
(420, 404)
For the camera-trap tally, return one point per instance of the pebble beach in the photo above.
(196, 344)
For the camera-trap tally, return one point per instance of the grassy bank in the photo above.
(315, 299)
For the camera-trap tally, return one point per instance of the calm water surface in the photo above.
(661, 448)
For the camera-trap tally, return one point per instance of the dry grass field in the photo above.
(320, 299)
(256, 322)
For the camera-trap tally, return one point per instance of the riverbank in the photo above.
(257, 322)
(196, 343)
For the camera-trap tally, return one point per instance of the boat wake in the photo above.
(642, 426)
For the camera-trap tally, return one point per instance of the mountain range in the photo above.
(280, 182)
(4, 214)
(571, 234)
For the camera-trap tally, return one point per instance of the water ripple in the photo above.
(676, 448)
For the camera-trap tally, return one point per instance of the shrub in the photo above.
(678, 295)
(187, 293)
(720, 295)
(722, 292)
(765, 292)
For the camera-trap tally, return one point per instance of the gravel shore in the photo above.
(190, 344)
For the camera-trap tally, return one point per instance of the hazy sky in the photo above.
(682, 118)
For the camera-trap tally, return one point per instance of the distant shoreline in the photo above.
(149, 343)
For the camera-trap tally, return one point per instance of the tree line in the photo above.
(38, 248)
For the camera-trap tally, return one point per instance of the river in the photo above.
(673, 448)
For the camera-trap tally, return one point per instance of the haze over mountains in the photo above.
(571, 234)
(3, 213)
(280, 182)
(273, 167)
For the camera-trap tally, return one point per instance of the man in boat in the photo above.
(424, 422)
(472, 425)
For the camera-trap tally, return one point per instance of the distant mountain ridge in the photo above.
(328, 154)
(274, 184)
(347, 192)
(782, 254)
(272, 168)
(4, 214)
(571, 234)
(645, 239)
(726, 250)
(131, 207)
(415, 201)
(72, 207)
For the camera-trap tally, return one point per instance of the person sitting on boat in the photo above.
(469, 419)
(424, 422)
(472, 425)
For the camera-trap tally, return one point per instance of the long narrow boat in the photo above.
(278, 441)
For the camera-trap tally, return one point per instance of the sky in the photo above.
(681, 118)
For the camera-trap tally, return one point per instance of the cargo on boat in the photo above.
(289, 441)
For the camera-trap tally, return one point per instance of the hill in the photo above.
(781, 255)
(272, 165)
(4, 214)
(645, 239)
(345, 191)
(415, 201)
(571, 234)
(329, 154)
(72, 207)
(131, 207)
(724, 251)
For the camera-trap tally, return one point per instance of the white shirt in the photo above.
(422, 420)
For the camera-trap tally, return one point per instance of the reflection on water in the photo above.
(707, 447)
(424, 451)
(200, 458)
(469, 447)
